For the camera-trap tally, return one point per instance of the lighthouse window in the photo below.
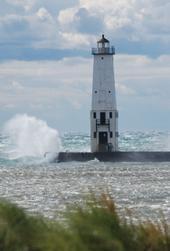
(102, 118)
(109, 91)
(111, 134)
(110, 115)
(94, 135)
(94, 115)
(102, 58)
(95, 91)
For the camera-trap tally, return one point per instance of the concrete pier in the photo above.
(114, 156)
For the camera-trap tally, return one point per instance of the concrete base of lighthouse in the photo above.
(114, 156)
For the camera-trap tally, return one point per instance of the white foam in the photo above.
(31, 137)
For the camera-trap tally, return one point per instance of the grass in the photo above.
(93, 227)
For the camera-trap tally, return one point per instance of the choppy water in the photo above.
(46, 187)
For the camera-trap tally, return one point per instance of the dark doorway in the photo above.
(103, 142)
(103, 118)
(103, 138)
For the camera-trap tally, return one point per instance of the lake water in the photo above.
(44, 187)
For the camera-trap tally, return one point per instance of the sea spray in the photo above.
(30, 137)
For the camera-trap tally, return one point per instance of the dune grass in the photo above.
(94, 227)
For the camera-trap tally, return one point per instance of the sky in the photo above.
(46, 62)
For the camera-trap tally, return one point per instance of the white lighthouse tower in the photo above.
(104, 114)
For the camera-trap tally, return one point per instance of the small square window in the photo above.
(110, 115)
(94, 115)
(111, 134)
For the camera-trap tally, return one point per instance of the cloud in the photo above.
(29, 31)
(80, 20)
(32, 5)
(16, 85)
(25, 4)
(66, 16)
(75, 40)
(50, 30)
(43, 14)
(30, 24)
(149, 82)
(13, 23)
(45, 83)
(64, 87)
(129, 19)
(135, 26)
(124, 90)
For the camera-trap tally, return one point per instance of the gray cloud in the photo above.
(31, 6)
(57, 89)
(88, 23)
(14, 25)
(135, 26)
(29, 31)
(31, 23)
(126, 20)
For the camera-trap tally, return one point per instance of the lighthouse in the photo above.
(104, 114)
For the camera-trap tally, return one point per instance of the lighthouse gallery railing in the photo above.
(100, 51)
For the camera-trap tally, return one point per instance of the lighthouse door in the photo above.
(103, 142)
